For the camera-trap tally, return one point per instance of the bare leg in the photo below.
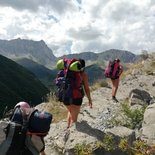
(115, 84)
(69, 116)
(69, 120)
(75, 112)
(42, 153)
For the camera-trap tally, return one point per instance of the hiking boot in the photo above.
(114, 99)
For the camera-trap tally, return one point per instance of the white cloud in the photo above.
(81, 25)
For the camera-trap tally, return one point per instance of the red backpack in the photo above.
(69, 83)
(112, 70)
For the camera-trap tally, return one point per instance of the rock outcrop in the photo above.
(93, 124)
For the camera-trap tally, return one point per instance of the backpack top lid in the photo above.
(22, 105)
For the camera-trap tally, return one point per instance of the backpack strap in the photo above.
(26, 116)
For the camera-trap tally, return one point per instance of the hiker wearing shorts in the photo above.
(115, 80)
(74, 106)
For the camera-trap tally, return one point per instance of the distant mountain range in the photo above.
(40, 60)
(124, 56)
(40, 53)
(18, 84)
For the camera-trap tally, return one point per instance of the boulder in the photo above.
(137, 96)
(3, 124)
(122, 132)
(148, 126)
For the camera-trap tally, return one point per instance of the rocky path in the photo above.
(95, 119)
(103, 109)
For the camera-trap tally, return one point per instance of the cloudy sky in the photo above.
(75, 26)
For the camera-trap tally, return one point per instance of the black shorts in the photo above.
(114, 78)
(69, 101)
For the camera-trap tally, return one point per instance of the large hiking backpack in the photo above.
(68, 81)
(112, 70)
(21, 132)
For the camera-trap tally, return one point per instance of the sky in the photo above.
(75, 26)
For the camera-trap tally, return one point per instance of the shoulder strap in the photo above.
(25, 116)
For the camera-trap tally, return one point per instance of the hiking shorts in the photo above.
(114, 78)
(69, 101)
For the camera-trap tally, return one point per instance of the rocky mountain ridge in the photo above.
(37, 51)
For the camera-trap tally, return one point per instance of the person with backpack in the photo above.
(25, 107)
(117, 71)
(75, 84)
(113, 71)
(26, 131)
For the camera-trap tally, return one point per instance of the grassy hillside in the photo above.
(95, 73)
(17, 83)
(45, 75)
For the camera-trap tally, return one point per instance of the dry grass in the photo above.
(57, 108)
(131, 67)
(98, 84)
(150, 69)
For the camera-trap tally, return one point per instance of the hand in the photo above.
(90, 104)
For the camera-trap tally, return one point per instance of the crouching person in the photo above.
(26, 131)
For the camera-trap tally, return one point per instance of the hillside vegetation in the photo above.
(45, 75)
(17, 83)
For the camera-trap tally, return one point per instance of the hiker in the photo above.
(74, 107)
(26, 107)
(77, 76)
(26, 131)
(115, 79)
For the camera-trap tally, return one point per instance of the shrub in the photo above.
(133, 117)
(82, 149)
(139, 147)
(107, 143)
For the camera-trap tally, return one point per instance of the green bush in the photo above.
(139, 147)
(107, 143)
(82, 149)
(103, 83)
(133, 117)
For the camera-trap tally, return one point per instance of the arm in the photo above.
(121, 70)
(86, 87)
